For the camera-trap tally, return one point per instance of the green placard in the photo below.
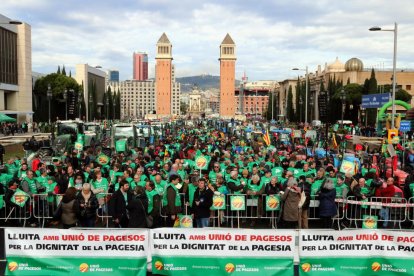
(237, 203)
(369, 222)
(19, 198)
(185, 221)
(272, 203)
(219, 202)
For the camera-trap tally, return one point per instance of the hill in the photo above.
(202, 81)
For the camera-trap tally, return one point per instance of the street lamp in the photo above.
(107, 108)
(80, 105)
(300, 105)
(273, 96)
(65, 98)
(342, 96)
(311, 106)
(114, 105)
(306, 90)
(394, 63)
(49, 97)
(90, 109)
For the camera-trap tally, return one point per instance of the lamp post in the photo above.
(273, 96)
(394, 65)
(342, 96)
(107, 108)
(80, 105)
(49, 97)
(65, 98)
(300, 106)
(311, 103)
(90, 109)
(306, 90)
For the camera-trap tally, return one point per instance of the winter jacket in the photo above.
(137, 207)
(327, 206)
(205, 199)
(290, 206)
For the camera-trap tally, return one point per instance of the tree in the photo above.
(353, 93)
(183, 108)
(298, 96)
(58, 84)
(63, 70)
(58, 70)
(403, 95)
(289, 109)
(111, 103)
(372, 89)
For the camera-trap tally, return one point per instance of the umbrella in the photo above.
(5, 118)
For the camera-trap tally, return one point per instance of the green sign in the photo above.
(219, 202)
(19, 198)
(273, 203)
(369, 222)
(237, 203)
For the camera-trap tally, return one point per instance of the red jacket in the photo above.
(389, 191)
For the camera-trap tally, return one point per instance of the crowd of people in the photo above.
(153, 185)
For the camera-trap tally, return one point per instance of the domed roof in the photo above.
(354, 64)
(337, 66)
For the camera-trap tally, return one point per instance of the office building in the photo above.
(140, 66)
(15, 70)
(113, 75)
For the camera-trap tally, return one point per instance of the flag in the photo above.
(266, 138)
(335, 144)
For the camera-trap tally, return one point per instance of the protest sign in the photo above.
(74, 252)
(220, 252)
(359, 252)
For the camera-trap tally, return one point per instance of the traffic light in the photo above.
(392, 133)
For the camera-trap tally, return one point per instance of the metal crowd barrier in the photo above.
(313, 212)
(44, 206)
(389, 212)
(16, 209)
(254, 209)
(102, 213)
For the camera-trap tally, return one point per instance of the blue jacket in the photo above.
(327, 206)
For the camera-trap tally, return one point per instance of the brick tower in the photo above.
(163, 77)
(227, 78)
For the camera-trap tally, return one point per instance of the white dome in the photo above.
(337, 66)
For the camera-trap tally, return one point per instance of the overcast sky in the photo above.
(271, 37)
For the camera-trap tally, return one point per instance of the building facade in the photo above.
(16, 70)
(352, 71)
(140, 66)
(113, 75)
(160, 96)
(93, 81)
(252, 98)
(138, 98)
(227, 77)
